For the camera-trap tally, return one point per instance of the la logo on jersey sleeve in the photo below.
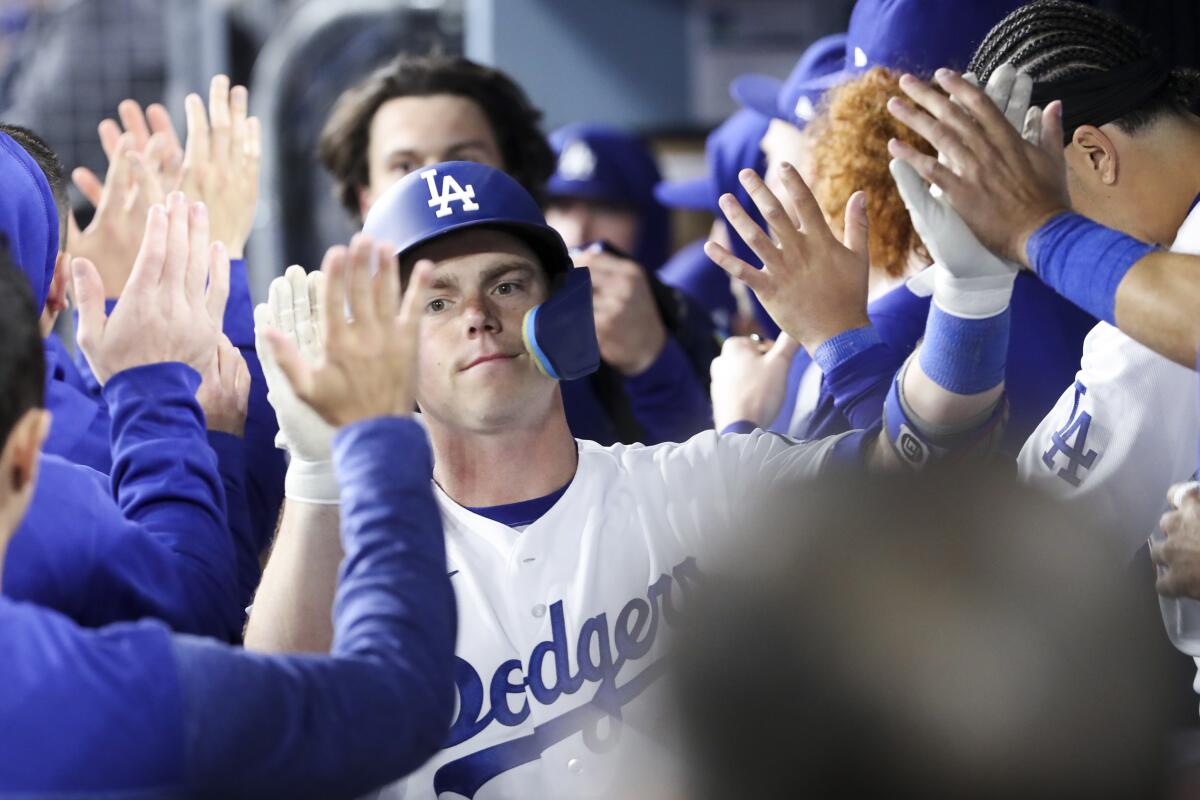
(451, 192)
(1069, 451)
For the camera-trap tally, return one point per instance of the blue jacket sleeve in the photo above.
(667, 399)
(165, 479)
(231, 465)
(322, 727)
(265, 463)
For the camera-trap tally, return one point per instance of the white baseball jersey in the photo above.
(561, 626)
(1126, 430)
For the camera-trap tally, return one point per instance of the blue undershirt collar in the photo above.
(525, 512)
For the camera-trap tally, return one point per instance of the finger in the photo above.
(784, 348)
(1156, 552)
(216, 294)
(239, 100)
(196, 153)
(279, 300)
(1052, 132)
(134, 121)
(754, 236)
(408, 329)
(219, 118)
(88, 184)
(199, 255)
(914, 192)
(242, 381)
(1000, 86)
(856, 229)
(301, 308)
(1031, 130)
(316, 303)
(951, 118)
(387, 282)
(942, 137)
(89, 297)
(253, 148)
(162, 125)
(808, 210)
(110, 134)
(736, 267)
(174, 272)
(116, 181)
(1018, 103)
(148, 191)
(773, 212)
(333, 307)
(982, 112)
(1181, 491)
(287, 357)
(358, 280)
(926, 166)
(150, 262)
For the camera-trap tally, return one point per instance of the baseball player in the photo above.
(570, 561)
(1126, 430)
(133, 711)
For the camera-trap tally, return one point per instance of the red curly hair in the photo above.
(849, 148)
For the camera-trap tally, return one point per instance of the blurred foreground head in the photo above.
(907, 638)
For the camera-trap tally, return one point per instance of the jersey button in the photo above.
(539, 611)
(575, 766)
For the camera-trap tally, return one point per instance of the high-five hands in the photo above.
(369, 361)
(219, 168)
(1003, 181)
(811, 284)
(170, 309)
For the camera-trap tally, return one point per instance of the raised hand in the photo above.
(1002, 181)
(224, 392)
(151, 135)
(164, 313)
(221, 161)
(1178, 551)
(811, 284)
(628, 326)
(113, 237)
(369, 364)
(749, 379)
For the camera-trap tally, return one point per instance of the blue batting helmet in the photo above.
(454, 195)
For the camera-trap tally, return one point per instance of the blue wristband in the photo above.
(1084, 261)
(965, 356)
(845, 346)
(917, 444)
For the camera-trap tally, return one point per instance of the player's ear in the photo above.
(1098, 152)
(18, 467)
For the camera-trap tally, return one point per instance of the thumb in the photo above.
(913, 191)
(856, 235)
(89, 298)
(287, 357)
(1052, 131)
(784, 349)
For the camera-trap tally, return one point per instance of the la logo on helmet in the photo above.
(451, 192)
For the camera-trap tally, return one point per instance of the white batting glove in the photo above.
(292, 307)
(969, 281)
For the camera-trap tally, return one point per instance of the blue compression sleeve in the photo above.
(320, 727)
(231, 465)
(668, 401)
(1084, 261)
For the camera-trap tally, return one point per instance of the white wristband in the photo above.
(975, 297)
(311, 482)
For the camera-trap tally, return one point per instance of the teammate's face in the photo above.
(784, 142)
(474, 372)
(409, 133)
(582, 222)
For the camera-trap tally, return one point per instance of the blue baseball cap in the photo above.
(792, 100)
(455, 195)
(28, 217)
(730, 148)
(917, 36)
(601, 163)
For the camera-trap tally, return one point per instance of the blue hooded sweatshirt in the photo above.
(131, 710)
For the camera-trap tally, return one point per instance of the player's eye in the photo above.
(436, 306)
(506, 288)
(404, 167)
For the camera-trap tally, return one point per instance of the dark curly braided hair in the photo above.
(1059, 40)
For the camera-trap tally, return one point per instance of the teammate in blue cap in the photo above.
(130, 710)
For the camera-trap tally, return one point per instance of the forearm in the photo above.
(1158, 304)
(291, 609)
